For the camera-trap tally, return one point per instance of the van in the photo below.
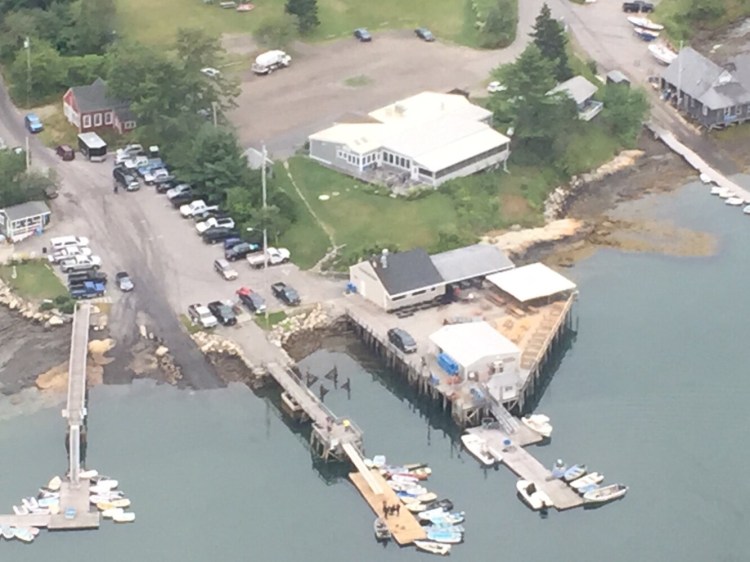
(68, 242)
(125, 179)
(402, 340)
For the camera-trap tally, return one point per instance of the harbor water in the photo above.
(652, 392)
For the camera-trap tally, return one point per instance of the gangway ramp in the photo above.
(353, 454)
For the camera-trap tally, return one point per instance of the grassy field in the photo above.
(671, 13)
(34, 280)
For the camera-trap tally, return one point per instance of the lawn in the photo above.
(671, 13)
(273, 319)
(57, 130)
(34, 280)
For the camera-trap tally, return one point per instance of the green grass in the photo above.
(273, 319)
(189, 326)
(57, 130)
(34, 280)
(358, 81)
(671, 13)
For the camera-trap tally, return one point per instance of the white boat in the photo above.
(746, 210)
(705, 178)
(23, 534)
(408, 499)
(382, 532)
(30, 503)
(583, 481)
(121, 502)
(48, 502)
(96, 498)
(416, 507)
(378, 461)
(429, 514)
(574, 472)
(645, 34)
(605, 494)
(108, 484)
(104, 506)
(536, 499)
(715, 189)
(433, 547)
(538, 423)
(478, 447)
(662, 53)
(110, 513)
(54, 484)
(7, 532)
(428, 497)
(726, 193)
(124, 517)
(404, 479)
(735, 201)
(103, 493)
(89, 474)
(20, 510)
(645, 23)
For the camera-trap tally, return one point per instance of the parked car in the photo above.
(123, 178)
(162, 185)
(50, 192)
(65, 152)
(77, 263)
(210, 72)
(285, 293)
(87, 290)
(67, 241)
(252, 300)
(124, 282)
(402, 340)
(214, 235)
(154, 174)
(424, 34)
(224, 222)
(274, 256)
(362, 35)
(227, 272)
(231, 242)
(223, 313)
(217, 213)
(89, 275)
(33, 123)
(180, 199)
(201, 316)
(134, 162)
(68, 252)
(637, 6)
(197, 206)
(495, 86)
(178, 190)
(129, 151)
(241, 250)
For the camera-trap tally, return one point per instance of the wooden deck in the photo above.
(404, 527)
(77, 497)
(31, 520)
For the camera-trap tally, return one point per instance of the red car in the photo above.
(65, 152)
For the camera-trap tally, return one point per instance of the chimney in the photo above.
(384, 259)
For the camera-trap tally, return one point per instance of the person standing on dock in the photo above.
(397, 509)
(385, 509)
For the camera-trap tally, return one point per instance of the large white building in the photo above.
(428, 138)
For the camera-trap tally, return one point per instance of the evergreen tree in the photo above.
(549, 37)
(306, 12)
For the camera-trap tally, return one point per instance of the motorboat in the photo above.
(645, 34)
(662, 53)
(20, 510)
(414, 491)
(538, 423)
(445, 527)
(7, 532)
(382, 532)
(378, 461)
(446, 518)
(107, 483)
(23, 534)
(30, 503)
(48, 502)
(110, 513)
(404, 479)
(54, 484)
(605, 494)
(120, 502)
(428, 497)
(478, 448)
(124, 517)
(445, 536)
(559, 469)
(416, 507)
(735, 201)
(427, 515)
(88, 474)
(574, 472)
(409, 499)
(536, 499)
(726, 193)
(433, 547)
(645, 23)
(746, 210)
(446, 504)
(104, 506)
(583, 490)
(583, 481)
(715, 189)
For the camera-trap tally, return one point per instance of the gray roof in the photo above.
(577, 88)
(704, 80)
(471, 262)
(254, 159)
(616, 76)
(406, 271)
(94, 97)
(26, 210)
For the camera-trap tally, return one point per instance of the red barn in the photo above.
(90, 108)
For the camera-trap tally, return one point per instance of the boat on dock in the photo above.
(433, 547)
(382, 532)
(645, 34)
(734, 201)
(587, 480)
(445, 536)
(538, 423)
(574, 472)
(533, 497)
(478, 448)
(645, 23)
(54, 484)
(662, 53)
(605, 494)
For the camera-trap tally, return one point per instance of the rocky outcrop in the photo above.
(517, 242)
(216, 347)
(30, 310)
(314, 318)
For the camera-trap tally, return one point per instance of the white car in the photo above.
(61, 242)
(153, 175)
(135, 162)
(224, 222)
(274, 256)
(200, 315)
(68, 252)
(494, 87)
(76, 263)
(210, 72)
(196, 207)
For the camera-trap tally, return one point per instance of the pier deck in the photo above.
(404, 527)
(77, 497)
(31, 520)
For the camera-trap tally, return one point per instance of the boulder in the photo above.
(55, 321)
(161, 351)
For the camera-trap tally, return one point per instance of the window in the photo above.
(472, 160)
(86, 121)
(97, 119)
(130, 124)
(416, 293)
(108, 118)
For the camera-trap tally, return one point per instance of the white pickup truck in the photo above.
(274, 256)
(269, 61)
(79, 262)
(196, 207)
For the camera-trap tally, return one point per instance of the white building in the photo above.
(428, 138)
(532, 282)
(483, 355)
(21, 221)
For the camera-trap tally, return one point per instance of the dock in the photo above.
(694, 160)
(404, 527)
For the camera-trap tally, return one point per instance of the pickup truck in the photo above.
(87, 290)
(79, 263)
(224, 222)
(273, 256)
(197, 206)
(69, 252)
(285, 293)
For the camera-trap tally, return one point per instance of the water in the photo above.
(652, 393)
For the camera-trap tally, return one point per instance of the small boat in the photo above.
(20, 510)
(124, 517)
(645, 34)
(715, 190)
(34, 530)
(409, 499)
(645, 23)
(427, 515)
(105, 494)
(378, 461)
(414, 492)
(583, 490)
(536, 499)
(445, 536)
(433, 547)
(446, 504)
(606, 494)
(107, 484)
(662, 53)
(48, 502)
(726, 193)
(583, 481)
(89, 474)
(422, 472)
(382, 532)
(23, 534)
(30, 503)
(559, 469)
(416, 507)
(574, 472)
(705, 178)
(746, 210)
(121, 502)
(7, 532)
(735, 201)
(404, 479)
(452, 518)
(416, 465)
(446, 527)
(428, 497)
(110, 513)
(104, 506)
(538, 423)
(54, 484)
(478, 447)
(43, 493)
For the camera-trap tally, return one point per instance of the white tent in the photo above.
(531, 282)
(470, 343)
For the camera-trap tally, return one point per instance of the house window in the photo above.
(108, 118)
(86, 121)
(130, 124)
(97, 119)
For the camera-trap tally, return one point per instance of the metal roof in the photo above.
(471, 342)
(479, 260)
(403, 272)
(531, 282)
(577, 88)
(93, 97)
(26, 210)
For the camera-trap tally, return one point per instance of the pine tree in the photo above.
(306, 12)
(549, 37)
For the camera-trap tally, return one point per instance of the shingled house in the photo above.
(714, 96)
(90, 108)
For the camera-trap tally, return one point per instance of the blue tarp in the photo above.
(447, 364)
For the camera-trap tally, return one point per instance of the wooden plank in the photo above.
(359, 464)
(404, 527)
(31, 520)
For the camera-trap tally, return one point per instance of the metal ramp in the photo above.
(507, 422)
(353, 454)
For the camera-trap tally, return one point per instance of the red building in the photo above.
(90, 108)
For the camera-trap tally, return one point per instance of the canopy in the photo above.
(531, 282)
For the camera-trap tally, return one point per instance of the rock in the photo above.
(143, 331)
(55, 321)
(13, 304)
(161, 351)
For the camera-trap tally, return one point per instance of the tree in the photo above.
(549, 37)
(703, 11)
(306, 12)
(276, 31)
(48, 72)
(499, 29)
(85, 69)
(94, 26)
(625, 109)
(196, 49)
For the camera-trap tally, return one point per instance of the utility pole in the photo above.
(213, 109)
(265, 231)
(27, 46)
(679, 77)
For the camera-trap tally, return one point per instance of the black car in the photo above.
(124, 179)
(285, 294)
(162, 185)
(402, 340)
(637, 6)
(218, 234)
(83, 276)
(239, 251)
(252, 300)
(179, 200)
(223, 312)
(424, 34)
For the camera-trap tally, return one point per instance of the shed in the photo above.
(471, 262)
(531, 282)
(21, 221)
(617, 77)
(476, 347)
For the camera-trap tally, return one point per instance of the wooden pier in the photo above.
(404, 527)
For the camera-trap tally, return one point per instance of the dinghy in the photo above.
(409, 499)
(559, 469)
(433, 547)
(54, 484)
(416, 507)
(715, 190)
(662, 53)
(746, 210)
(48, 502)
(446, 504)
(20, 510)
(538, 423)
(645, 34)
(416, 466)
(445, 536)
(645, 23)
(121, 502)
(705, 178)
(536, 499)
(404, 479)
(89, 474)
(378, 461)
(574, 472)
(726, 193)
(104, 506)
(583, 490)
(447, 518)
(478, 448)
(23, 534)
(446, 527)
(428, 497)
(606, 494)
(382, 533)
(110, 513)
(734, 201)
(7, 532)
(414, 492)
(583, 481)
(422, 473)
(125, 517)
(107, 484)
(430, 513)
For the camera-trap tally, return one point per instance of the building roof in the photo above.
(358, 137)
(704, 80)
(531, 282)
(471, 342)
(471, 262)
(430, 105)
(124, 113)
(578, 88)
(406, 271)
(254, 158)
(93, 97)
(617, 77)
(26, 210)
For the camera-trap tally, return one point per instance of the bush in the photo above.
(276, 32)
(499, 29)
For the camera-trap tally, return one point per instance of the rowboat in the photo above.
(445, 504)
(409, 499)
(428, 497)
(445, 527)
(478, 447)
(104, 506)
(445, 536)
(416, 507)
(121, 502)
(645, 34)
(746, 210)
(20, 510)
(54, 484)
(404, 479)
(48, 502)
(583, 481)
(574, 472)
(705, 178)
(110, 513)
(559, 469)
(433, 547)
(89, 474)
(662, 53)
(645, 23)
(125, 517)
(606, 494)
(726, 193)
(715, 190)
(107, 484)
(446, 519)
(536, 499)
(735, 201)
(538, 423)
(382, 532)
(430, 513)
(23, 534)
(7, 532)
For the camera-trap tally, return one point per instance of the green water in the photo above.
(653, 393)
